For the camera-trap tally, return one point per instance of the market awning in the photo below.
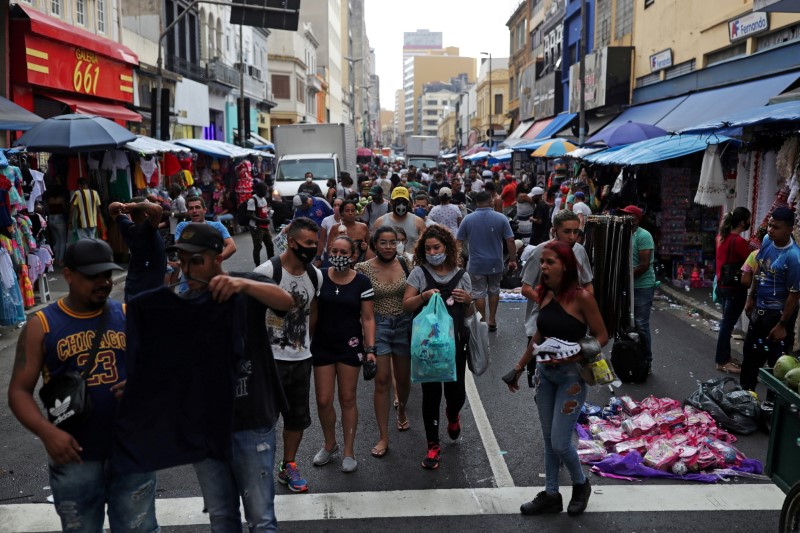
(646, 113)
(363, 152)
(558, 123)
(218, 149)
(537, 127)
(16, 118)
(149, 146)
(756, 116)
(258, 142)
(529, 145)
(654, 150)
(93, 107)
(519, 130)
(707, 105)
(477, 156)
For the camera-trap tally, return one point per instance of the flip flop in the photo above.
(492, 327)
(403, 425)
(379, 452)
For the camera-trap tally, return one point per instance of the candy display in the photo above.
(657, 438)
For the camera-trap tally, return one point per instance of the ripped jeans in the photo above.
(560, 393)
(81, 491)
(249, 474)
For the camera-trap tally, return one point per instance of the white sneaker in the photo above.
(555, 350)
(349, 464)
(323, 456)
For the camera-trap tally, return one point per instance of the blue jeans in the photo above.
(733, 301)
(642, 305)
(81, 491)
(58, 232)
(249, 475)
(560, 393)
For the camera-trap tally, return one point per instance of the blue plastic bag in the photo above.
(433, 344)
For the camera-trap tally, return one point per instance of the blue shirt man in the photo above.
(311, 207)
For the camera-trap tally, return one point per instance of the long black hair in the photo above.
(733, 219)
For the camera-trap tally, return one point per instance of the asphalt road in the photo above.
(483, 475)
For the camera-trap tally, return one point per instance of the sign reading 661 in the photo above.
(86, 72)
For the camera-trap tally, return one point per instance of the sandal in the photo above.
(396, 403)
(492, 327)
(729, 368)
(379, 452)
(403, 425)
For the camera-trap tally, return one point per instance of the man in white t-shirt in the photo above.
(290, 337)
(580, 207)
(258, 209)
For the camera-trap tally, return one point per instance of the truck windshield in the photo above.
(418, 162)
(295, 169)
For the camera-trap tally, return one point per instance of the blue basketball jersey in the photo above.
(68, 338)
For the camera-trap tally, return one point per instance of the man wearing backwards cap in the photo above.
(401, 216)
(54, 341)
(644, 277)
(311, 207)
(772, 301)
(259, 394)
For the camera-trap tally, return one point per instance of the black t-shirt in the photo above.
(148, 259)
(259, 394)
(540, 231)
(459, 197)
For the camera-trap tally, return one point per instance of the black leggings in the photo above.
(455, 395)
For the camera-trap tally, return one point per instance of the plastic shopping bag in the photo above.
(433, 344)
(478, 358)
(731, 407)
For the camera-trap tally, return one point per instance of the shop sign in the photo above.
(74, 69)
(547, 95)
(191, 103)
(606, 79)
(747, 26)
(661, 60)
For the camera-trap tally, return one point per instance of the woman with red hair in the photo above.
(566, 313)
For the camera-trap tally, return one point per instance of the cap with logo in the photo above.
(300, 200)
(198, 237)
(401, 193)
(90, 257)
(632, 210)
(445, 191)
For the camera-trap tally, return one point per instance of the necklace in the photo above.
(337, 289)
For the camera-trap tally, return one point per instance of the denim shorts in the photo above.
(393, 334)
(483, 284)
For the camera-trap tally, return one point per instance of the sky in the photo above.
(471, 25)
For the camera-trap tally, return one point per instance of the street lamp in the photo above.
(491, 96)
(351, 82)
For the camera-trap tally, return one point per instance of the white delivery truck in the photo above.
(422, 150)
(326, 150)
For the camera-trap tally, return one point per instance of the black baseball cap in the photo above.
(90, 257)
(198, 237)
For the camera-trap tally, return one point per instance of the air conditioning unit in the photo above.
(254, 72)
(237, 66)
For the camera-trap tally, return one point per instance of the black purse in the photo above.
(65, 397)
(731, 273)
(370, 369)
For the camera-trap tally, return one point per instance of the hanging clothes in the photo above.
(38, 189)
(12, 312)
(26, 287)
(170, 165)
(711, 190)
(244, 182)
(119, 182)
(150, 170)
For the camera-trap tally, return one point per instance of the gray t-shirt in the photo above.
(417, 279)
(533, 270)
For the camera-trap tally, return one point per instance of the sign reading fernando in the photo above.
(747, 26)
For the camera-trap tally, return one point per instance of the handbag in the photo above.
(478, 353)
(370, 369)
(64, 396)
(731, 273)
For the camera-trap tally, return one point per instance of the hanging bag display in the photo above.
(433, 345)
(64, 396)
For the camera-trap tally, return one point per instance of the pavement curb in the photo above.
(704, 310)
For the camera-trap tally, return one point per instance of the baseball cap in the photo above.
(198, 237)
(486, 173)
(300, 199)
(445, 191)
(400, 192)
(632, 210)
(376, 190)
(90, 257)
(537, 191)
(580, 194)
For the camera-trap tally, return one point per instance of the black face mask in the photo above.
(400, 208)
(306, 254)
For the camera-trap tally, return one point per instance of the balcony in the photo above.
(186, 68)
(313, 84)
(221, 73)
(254, 88)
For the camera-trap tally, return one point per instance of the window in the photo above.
(55, 7)
(649, 79)
(648, 3)
(679, 70)
(301, 91)
(726, 54)
(430, 112)
(602, 36)
(498, 104)
(623, 19)
(80, 12)
(511, 88)
(536, 7)
(101, 16)
(280, 86)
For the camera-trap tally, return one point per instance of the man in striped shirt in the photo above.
(85, 204)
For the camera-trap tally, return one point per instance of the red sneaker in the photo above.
(431, 461)
(454, 428)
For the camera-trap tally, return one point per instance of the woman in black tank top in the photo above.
(566, 312)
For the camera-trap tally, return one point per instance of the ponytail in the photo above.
(731, 220)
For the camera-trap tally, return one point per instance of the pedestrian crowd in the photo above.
(337, 300)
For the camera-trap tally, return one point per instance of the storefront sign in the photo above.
(661, 60)
(607, 79)
(547, 95)
(527, 81)
(191, 103)
(747, 26)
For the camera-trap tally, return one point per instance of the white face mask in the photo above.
(401, 247)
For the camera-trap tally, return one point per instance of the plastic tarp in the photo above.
(707, 105)
(558, 123)
(478, 156)
(149, 146)
(500, 155)
(580, 153)
(646, 113)
(15, 117)
(654, 150)
(755, 116)
(218, 149)
(530, 145)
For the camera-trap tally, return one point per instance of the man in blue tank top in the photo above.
(56, 340)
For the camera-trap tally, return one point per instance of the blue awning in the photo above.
(558, 123)
(654, 150)
(529, 145)
(646, 114)
(707, 105)
(14, 117)
(785, 112)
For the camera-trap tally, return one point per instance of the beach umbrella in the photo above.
(554, 148)
(75, 133)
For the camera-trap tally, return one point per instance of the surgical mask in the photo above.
(306, 254)
(420, 212)
(401, 247)
(435, 259)
(400, 209)
(309, 180)
(340, 263)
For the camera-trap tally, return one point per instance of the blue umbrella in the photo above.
(628, 133)
(75, 133)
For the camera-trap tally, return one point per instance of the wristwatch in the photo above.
(372, 350)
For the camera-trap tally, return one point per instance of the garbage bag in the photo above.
(433, 344)
(478, 353)
(733, 408)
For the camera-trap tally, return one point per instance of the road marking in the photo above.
(497, 461)
(41, 517)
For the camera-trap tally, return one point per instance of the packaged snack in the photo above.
(727, 453)
(706, 458)
(630, 406)
(588, 410)
(624, 447)
(590, 451)
(610, 437)
(661, 455)
(669, 419)
(598, 425)
(639, 424)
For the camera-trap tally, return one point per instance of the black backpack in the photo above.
(242, 215)
(628, 357)
(277, 272)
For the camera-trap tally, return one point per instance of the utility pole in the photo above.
(243, 135)
(491, 96)
(582, 75)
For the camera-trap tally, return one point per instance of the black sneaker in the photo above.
(543, 503)
(580, 498)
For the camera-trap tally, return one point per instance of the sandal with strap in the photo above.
(403, 425)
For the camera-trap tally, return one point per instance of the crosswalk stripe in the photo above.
(37, 517)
